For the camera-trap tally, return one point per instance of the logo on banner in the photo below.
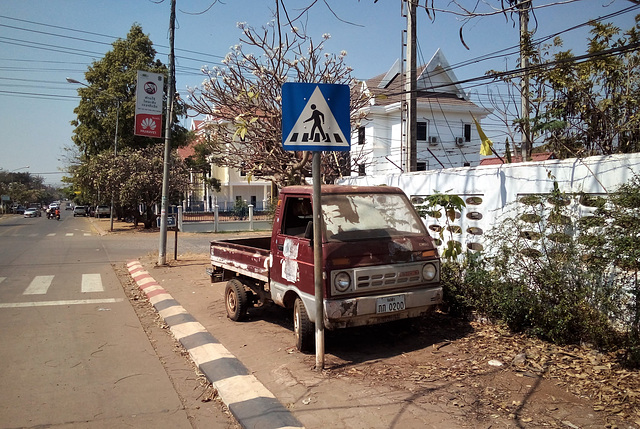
(149, 125)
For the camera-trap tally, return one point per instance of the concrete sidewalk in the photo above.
(252, 404)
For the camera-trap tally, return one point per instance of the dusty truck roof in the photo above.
(341, 189)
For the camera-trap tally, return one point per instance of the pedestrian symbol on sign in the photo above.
(315, 117)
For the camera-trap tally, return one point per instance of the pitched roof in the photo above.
(435, 80)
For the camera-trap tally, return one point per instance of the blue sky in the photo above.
(36, 103)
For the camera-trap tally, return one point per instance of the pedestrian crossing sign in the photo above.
(315, 117)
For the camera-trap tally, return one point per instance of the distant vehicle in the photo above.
(79, 211)
(102, 211)
(19, 209)
(32, 212)
(54, 205)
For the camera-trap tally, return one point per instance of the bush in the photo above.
(563, 280)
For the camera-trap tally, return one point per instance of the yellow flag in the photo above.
(487, 144)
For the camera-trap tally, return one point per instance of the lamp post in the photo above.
(115, 139)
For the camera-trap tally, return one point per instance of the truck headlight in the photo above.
(342, 281)
(429, 272)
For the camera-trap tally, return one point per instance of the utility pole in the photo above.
(162, 251)
(411, 88)
(523, 10)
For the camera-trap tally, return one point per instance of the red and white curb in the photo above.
(252, 404)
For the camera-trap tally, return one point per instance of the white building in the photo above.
(446, 134)
(235, 185)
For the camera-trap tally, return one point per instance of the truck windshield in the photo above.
(359, 216)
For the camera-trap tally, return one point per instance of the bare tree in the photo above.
(243, 102)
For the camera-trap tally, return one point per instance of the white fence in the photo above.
(488, 190)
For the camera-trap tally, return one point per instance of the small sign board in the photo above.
(315, 117)
(171, 221)
(149, 95)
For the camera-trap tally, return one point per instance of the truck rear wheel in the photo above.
(235, 300)
(303, 328)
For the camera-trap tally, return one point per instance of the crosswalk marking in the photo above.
(39, 285)
(53, 234)
(69, 234)
(91, 283)
(2, 279)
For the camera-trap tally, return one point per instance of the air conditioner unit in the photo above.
(434, 140)
(459, 141)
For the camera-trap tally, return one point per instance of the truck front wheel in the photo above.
(303, 328)
(235, 299)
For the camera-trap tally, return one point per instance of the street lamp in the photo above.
(21, 168)
(115, 138)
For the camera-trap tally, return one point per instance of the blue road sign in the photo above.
(315, 117)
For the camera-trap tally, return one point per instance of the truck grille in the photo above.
(386, 279)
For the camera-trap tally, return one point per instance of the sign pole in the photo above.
(316, 118)
(317, 260)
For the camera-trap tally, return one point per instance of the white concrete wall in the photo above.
(500, 185)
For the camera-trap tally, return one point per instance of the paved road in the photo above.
(73, 351)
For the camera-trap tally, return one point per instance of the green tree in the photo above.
(586, 105)
(112, 80)
(134, 178)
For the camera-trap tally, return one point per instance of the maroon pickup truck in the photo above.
(379, 262)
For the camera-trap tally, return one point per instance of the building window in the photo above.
(421, 166)
(467, 132)
(360, 135)
(421, 133)
(362, 170)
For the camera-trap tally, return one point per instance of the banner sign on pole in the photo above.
(149, 95)
(315, 117)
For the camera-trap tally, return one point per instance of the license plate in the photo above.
(390, 304)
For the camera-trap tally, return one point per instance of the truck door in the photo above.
(293, 255)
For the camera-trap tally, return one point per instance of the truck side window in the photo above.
(297, 214)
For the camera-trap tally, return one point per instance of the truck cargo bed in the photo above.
(246, 256)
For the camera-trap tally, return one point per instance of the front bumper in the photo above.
(348, 312)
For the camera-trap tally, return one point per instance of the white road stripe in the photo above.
(56, 303)
(39, 285)
(91, 283)
(2, 279)
(53, 234)
(69, 234)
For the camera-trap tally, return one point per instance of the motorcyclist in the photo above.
(58, 213)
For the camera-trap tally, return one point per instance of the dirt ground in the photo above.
(484, 371)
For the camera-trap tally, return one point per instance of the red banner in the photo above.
(148, 125)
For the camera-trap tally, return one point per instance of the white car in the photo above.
(31, 212)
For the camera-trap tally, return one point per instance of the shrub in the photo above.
(551, 276)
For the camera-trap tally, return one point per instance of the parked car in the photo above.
(31, 212)
(79, 211)
(19, 209)
(102, 211)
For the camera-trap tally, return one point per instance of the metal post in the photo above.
(162, 251)
(115, 154)
(411, 88)
(523, 7)
(317, 260)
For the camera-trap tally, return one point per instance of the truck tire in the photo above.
(235, 300)
(303, 328)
